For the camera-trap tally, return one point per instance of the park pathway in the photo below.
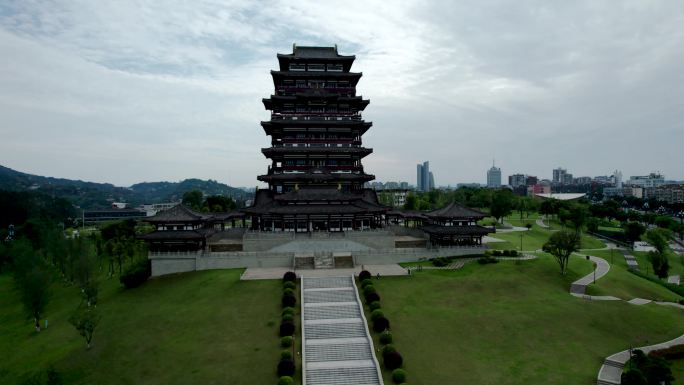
(337, 347)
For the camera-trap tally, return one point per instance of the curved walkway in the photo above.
(540, 223)
(611, 370)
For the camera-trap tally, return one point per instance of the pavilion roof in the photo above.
(456, 230)
(178, 213)
(455, 211)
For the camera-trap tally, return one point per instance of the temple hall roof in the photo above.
(178, 213)
(455, 211)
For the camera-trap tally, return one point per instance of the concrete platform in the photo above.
(254, 273)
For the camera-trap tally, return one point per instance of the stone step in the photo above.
(329, 296)
(337, 330)
(331, 312)
(342, 376)
(317, 283)
(338, 352)
(616, 364)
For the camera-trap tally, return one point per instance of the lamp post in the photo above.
(680, 215)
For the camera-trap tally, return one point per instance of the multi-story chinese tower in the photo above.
(316, 177)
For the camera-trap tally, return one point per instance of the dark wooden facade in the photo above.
(315, 179)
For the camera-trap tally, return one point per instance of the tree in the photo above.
(578, 216)
(592, 224)
(85, 320)
(502, 204)
(411, 202)
(633, 231)
(659, 239)
(561, 245)
(32, 278)
(193, 199)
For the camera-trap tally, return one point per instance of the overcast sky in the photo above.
(131, 91)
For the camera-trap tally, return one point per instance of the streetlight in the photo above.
(680, 215)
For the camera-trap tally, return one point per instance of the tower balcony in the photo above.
(307, 142)
(305, 168)
(318, 116)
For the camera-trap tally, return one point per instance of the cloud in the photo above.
(127, 91)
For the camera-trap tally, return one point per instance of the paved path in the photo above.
(337, 346)
(602, 268)
(611, 370)
(253, 273)
(673, 279)
(631, 261)
(540, 223)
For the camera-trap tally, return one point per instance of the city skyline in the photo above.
(106, 93)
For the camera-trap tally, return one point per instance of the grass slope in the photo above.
(196, 328)
(512, 323)
(622, 284)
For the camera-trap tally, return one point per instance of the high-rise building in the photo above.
(423, 177)
(431, 184)
(494, 177)
(316, 176)
(559, 175)
(517, 180)
(617, 179)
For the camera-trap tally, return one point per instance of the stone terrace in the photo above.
(338, 349)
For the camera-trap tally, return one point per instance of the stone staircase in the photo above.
(337, 347)
(323, 260)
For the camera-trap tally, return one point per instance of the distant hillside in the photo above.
(90, 195)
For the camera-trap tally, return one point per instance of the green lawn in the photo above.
(512, 323)
(676, 263)
(534, 239)
(196, 328)
(678, 371)
(619, 282)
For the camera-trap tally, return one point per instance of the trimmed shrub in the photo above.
(398, 376)
(496, 253)
(289, 300)
(290, 276)
(389, 348)
(368, 289)
(288, 310)
(440, 261)
(672, 353)
(366, 282)
(286, 355)
(364, 274)
(376, 314)
(392, 360)
(374, 305)
(514, 253)
(289, 285)
(287, 318)
(288, 291)
(286, 368)
(136, 274)
(286, 341)
(372, 297)
(483, 260)
(381, 324)
(386, 338)
(287, 329)
(285, 380)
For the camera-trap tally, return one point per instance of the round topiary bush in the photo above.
(381, 324)
(368, 289)
(286, 368)
(290, 276)
(374, 306)
(288, 310)
(289, 300)
(398, 376)
(286, 355)
(386, 338)
(376, 314)
(286, 341)
(287, 328)
(287, 318)
(366, 282)
(389, 348)
(288, 291)
(289, 285)
(392, 360)
(364, 274)
(372, 297)
(285, 380)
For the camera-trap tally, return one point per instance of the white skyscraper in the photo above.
(494, 177)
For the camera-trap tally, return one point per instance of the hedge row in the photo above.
(286, 366)
(391, 358)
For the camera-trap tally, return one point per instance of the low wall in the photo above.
(170, 263)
